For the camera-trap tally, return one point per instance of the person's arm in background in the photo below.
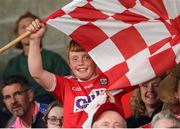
(43, 77)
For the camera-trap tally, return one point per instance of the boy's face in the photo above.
(82, 65)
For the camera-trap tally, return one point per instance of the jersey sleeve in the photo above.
(58, 88)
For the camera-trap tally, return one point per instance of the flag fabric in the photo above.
(131, 41)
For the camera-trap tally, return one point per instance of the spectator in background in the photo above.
(19, 101)
(165, 119)
(169, 91)
(3, 112)
(53, 117)
(6, 116)
(109, 115)
(145, 103)
(18, 65)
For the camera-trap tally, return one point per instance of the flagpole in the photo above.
(15, 41)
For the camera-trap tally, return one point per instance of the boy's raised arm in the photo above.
(43, 77)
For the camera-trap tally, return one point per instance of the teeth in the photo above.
(82, 69)
(151, 96)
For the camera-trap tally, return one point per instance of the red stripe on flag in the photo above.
(175, 40)
(129, 42)
(128, 3)
(163, 61)
(87, 13)
(129, 17)
(57, 13)
(88, 36)
(155, 47)
(116, 72)
(122, 82)
(176, 23)
(171, 29)
(156, 6)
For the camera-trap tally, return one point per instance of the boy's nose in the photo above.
(81, 61)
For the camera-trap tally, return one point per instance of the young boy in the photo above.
(74, 92)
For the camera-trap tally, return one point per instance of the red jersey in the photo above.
(76, 96)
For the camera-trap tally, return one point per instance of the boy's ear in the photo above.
(68, 62)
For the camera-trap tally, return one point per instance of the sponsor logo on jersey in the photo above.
(81, 102)
(103, 81)
(76, 89)
(88, 86)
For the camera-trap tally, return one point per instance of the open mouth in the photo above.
(151, 96)
(82, 69)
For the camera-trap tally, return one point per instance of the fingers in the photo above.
(34, 26)
(110, 97)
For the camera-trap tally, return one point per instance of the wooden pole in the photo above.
(15, 41)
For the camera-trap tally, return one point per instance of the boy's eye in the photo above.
(87, 57)
(74, 59)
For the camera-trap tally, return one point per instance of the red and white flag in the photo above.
(131, 41)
